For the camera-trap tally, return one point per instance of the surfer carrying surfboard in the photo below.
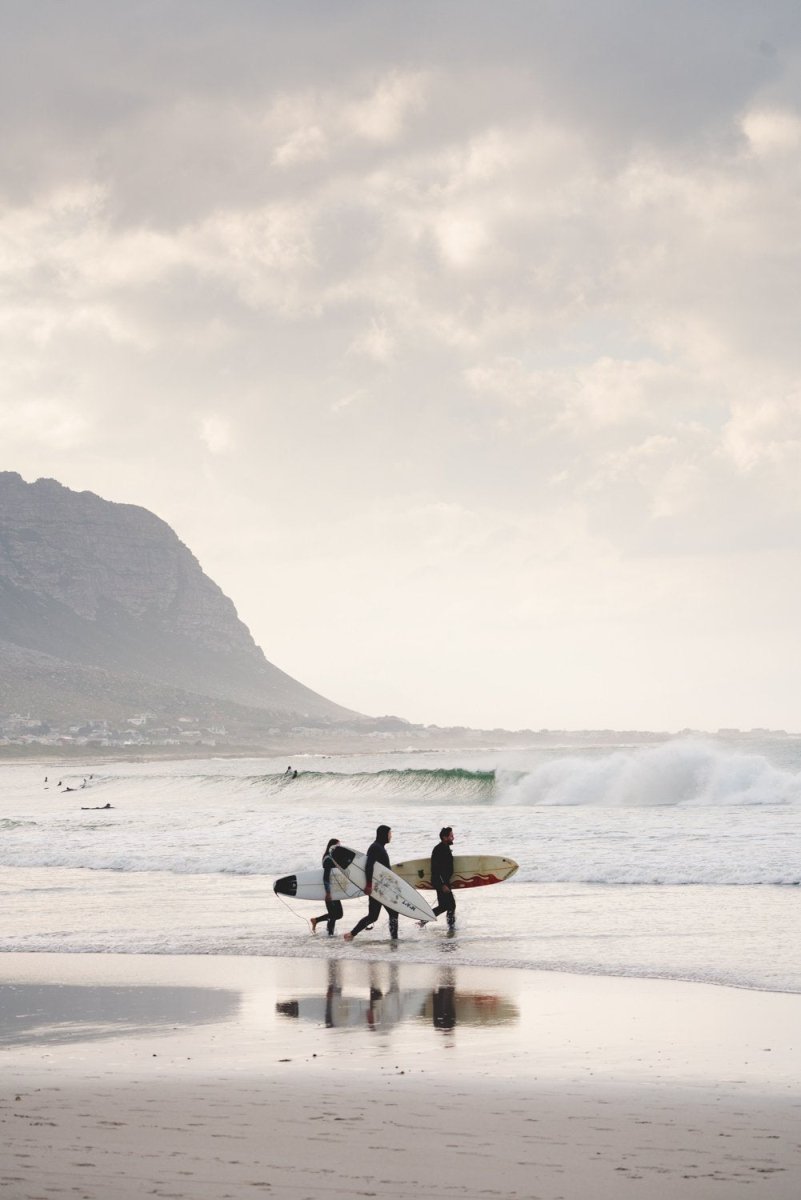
(441, 872)
(376, 853)
(333, 907)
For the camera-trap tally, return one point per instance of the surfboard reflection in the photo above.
(380, 1002)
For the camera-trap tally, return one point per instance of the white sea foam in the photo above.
(672, 774)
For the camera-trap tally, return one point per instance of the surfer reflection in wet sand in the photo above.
(333, 908)
(443, 1003)
(333, 992)
(376, 853)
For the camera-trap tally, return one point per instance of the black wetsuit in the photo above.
(441, 872)
(376, 853)
(333, 908)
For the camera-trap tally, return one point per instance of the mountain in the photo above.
(104, 611)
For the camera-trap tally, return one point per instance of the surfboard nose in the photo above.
(287, 886)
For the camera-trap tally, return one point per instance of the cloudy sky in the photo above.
(460, 341)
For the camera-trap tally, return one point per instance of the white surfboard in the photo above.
(308, 885)
(469, 871)
(388, 887)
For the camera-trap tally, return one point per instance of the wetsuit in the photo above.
(441, 872)
(376, 853)
(333, 908)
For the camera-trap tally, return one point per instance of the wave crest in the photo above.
(672, 774)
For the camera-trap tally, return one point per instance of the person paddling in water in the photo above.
(376, 853)
(333, 907)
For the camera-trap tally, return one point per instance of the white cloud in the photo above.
(307, 144)
(462, 238)
(48, 423)
(215, 432)
(376, 342)
(382, 116)
(346, 401)
(765, 432)
(772, 131)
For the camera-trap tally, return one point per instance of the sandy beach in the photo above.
(212, 1077)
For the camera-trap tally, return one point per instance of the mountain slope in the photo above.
(106, 600)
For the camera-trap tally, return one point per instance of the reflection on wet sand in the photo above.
(383, 1002)
(58, 1013)
(448, 1006)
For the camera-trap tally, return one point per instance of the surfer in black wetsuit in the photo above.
(333, 907)
(376, 853)
(441, 872)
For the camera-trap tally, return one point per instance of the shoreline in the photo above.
(203, 1077)
(372, 953)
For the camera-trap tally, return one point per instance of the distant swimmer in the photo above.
(290, 773)
(93, 807)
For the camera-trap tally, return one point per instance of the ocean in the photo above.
(679, 859)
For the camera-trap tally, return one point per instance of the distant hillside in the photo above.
(103, 609)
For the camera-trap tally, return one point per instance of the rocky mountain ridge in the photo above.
(102, 608)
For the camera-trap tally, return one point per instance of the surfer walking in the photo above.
(441, 872)
(376, 853)
(333, 908)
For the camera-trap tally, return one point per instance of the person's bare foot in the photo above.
(313, 923)
(348, 937)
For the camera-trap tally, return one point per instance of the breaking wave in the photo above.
(681, 812)
(681, 773)
(675, 773)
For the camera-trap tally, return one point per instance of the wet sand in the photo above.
(128, 1076)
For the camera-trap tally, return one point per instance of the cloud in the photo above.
(376, 342)
(52, 423)
(772, 131)
(305, 144)
(382, 116)
(517, 295)
(215, 432)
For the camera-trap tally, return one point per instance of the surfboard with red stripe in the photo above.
(469, 871)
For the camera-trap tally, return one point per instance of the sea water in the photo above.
(679, 859)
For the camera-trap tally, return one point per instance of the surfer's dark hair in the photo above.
(446, 831)
(331, 842)
(382, 834)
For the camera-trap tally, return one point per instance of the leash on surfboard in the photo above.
(294, 911)
(299, 915)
